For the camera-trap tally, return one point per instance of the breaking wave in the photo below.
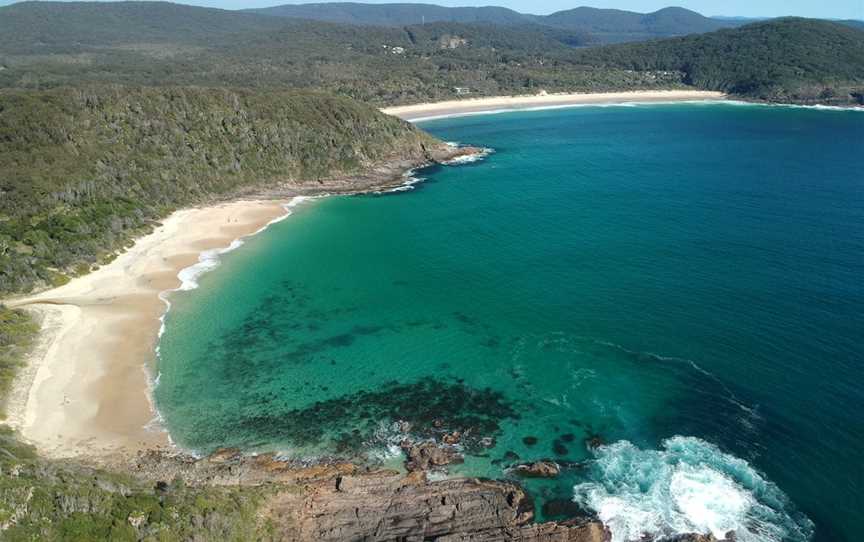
(687, 486)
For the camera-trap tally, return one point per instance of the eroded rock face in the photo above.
(577, 531)
(229, 467)
(386, 506)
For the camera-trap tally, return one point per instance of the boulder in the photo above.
(428, 455)
(452, 438)
(540, 469)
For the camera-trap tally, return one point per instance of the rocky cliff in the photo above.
(341, 502)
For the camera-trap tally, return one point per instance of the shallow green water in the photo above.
(620, 273)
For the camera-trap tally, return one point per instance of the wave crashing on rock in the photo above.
(687, 486)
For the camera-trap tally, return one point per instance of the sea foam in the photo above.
(816, 107)
(209, 259)
(467, 158)
(687, 486)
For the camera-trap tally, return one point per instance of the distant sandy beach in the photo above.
(502, 103)
(86, 390)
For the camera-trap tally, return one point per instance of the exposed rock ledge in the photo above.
(343, 502)
(377, 177)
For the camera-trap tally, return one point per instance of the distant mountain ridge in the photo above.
(26, 26)
(52, 44)
(395, 14)
(607, 25)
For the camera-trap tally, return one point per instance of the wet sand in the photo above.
(86, 389)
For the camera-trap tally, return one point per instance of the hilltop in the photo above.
(381, 65)
(151, 43)
(63, 27)
(602, 25)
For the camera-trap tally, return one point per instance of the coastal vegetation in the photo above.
(17, 334)
(41, 499)
(87, 170)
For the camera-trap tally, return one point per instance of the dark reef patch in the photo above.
(563, 508)
(511, 456)
(491, 342)
(559, 448)
(286, 327)
(429, 407)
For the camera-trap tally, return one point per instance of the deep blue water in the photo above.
(682, 283)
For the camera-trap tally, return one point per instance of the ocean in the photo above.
(666, 299)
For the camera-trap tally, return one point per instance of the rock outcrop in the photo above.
(389, 506)
(428, 455)
(576, 531)
(540, 469)
(341, 501)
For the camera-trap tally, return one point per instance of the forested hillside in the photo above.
(600, 25)
(44, 45)
(396, 14)
(798, 60)
(85, 170)
(55, 27)
(380, 65)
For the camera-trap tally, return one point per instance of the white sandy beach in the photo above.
(86, 389)
(502, 103)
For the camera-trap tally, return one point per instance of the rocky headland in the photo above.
(343, 501)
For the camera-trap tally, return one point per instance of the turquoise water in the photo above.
(679, 283)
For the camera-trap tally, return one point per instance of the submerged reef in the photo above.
(423, 409)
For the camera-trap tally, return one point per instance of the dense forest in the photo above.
(797, 60)
(44, 45)
(376, 65)
(86, 170)
(599, 25)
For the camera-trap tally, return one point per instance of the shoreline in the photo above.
(98, 403)
(496, 104)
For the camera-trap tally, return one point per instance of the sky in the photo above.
(834, 9)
